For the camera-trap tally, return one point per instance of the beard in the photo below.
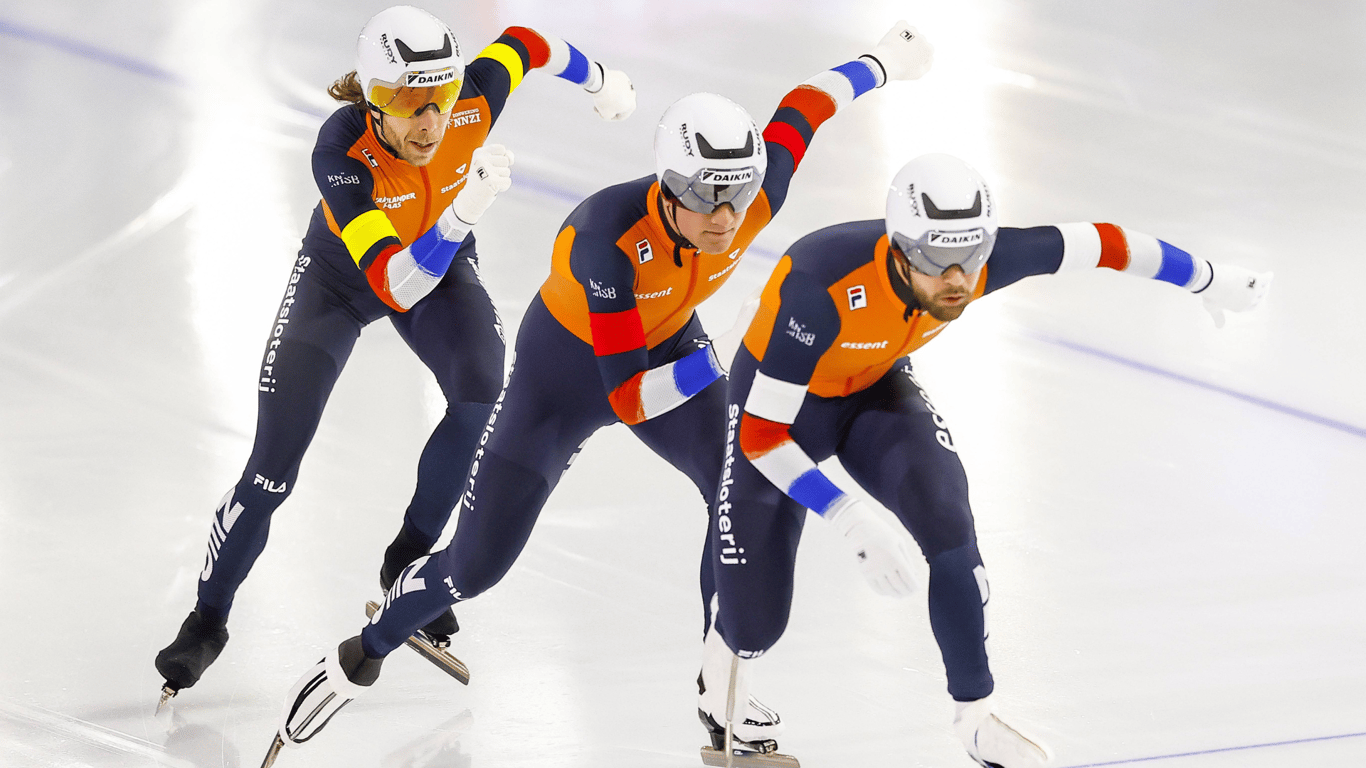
(934, 306)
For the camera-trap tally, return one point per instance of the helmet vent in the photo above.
(966, 213)
(725, 154)
(410, 56)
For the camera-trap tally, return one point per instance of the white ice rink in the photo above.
(1171, 515)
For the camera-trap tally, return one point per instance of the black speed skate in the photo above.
(183, 662)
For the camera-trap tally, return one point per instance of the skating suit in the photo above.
(611, 337)
(823, 371)
(373, 205)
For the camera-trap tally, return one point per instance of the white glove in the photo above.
(903, 53)
(490, 173)
(1233, 289)
(616, 99)
(880, 550)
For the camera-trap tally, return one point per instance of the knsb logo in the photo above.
(429, 79)
(715, 176)
(956, 239)
(858, 297)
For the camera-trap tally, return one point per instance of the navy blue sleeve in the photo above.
(807, 324)
(608, 280)
(1020, 253)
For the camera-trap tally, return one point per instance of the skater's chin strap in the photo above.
(671, 227)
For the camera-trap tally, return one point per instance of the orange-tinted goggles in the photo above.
(417, 89)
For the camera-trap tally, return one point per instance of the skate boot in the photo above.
(991, 742)
(183, 662)
(342, 675)
(743, 735)
(397, 557)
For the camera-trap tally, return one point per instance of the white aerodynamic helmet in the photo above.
(940, 213)
(708, 152)
(406, 59)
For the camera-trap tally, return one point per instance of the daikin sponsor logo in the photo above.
(718, 176)
(956, 239)
(429, 79)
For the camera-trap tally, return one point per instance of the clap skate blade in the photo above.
(431, 651)
(746, 754)
(167, 693)
(274, 752)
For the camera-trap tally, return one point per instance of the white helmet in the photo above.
(940, 214)
(406, 59)
(708, 152)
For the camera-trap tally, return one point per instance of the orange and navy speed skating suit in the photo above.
(611, 337)
(823, 371)
(375, 205)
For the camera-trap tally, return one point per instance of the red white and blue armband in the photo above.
(559, 58)
(659, 390)
(813, 102)
(403, 277)
(1087, 246)
(766, 440)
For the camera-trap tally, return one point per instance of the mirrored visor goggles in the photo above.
(937, 250)
(415, 91)
(710, 188)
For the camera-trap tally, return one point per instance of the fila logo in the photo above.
(643, 252)
(370, 158)
(858, 297)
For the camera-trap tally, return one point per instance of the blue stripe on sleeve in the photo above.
(693, 373)
(814, 491)
(433, 253)
(576, 71)
(859, 76)
(1177, 266)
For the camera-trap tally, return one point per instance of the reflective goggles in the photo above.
(937, 250)
(415, 91)
(711, 188)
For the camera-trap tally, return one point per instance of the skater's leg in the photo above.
(553, 401)
(308, 345)
(900, 450)
(456, 332)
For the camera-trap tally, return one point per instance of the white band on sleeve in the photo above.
(783, 465)
(1145, 254)
(836, 85)
(774, 399)
(1080, 246)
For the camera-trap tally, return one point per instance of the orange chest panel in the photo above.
(874, 334)
(666, 293)
(412, 197)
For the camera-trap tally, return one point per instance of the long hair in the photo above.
(347, 88)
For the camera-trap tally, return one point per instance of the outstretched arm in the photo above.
(903, 54)
(500, 67)
(1081, 246)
